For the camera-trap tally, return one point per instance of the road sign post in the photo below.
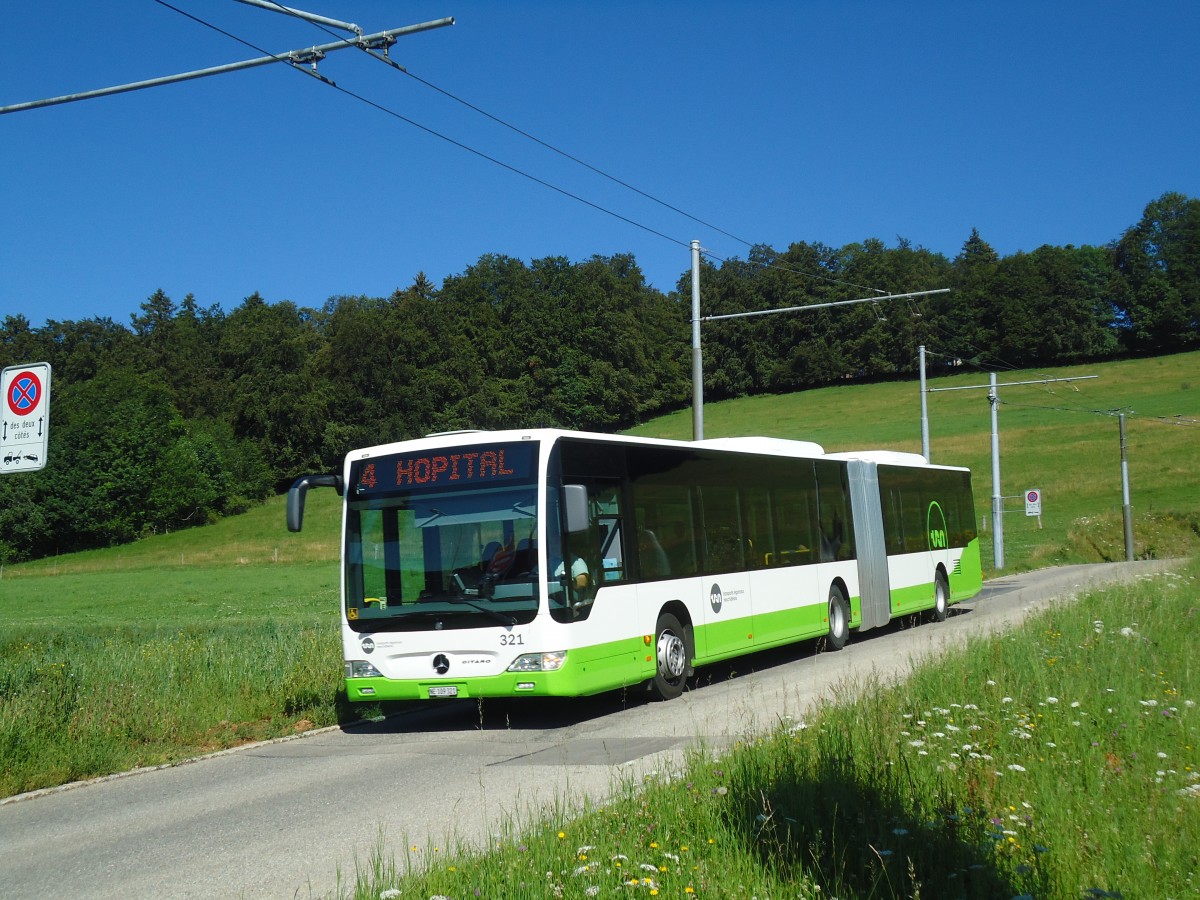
(24, 418)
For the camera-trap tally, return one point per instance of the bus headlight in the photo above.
(360, 668)
(539, 662)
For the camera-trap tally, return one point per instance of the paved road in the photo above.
(283, 819)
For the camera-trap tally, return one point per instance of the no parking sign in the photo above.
(1033, 502)
(24, 418)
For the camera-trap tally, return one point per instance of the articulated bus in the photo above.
(557, 563)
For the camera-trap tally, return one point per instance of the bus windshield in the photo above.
(462, 558)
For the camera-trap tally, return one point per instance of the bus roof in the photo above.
(769, 446)
(889, 457)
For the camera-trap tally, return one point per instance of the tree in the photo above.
(275, 397)
(1160, 259)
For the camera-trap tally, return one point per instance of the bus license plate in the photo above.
(444, 690)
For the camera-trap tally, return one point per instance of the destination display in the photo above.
(477, 465)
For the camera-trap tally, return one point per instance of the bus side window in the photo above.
(837, 529)
(760, 540)
(724, 547)
(795, 512)
(666, 512)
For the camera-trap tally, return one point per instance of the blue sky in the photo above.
(1037, 123)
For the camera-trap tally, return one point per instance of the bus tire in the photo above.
(839, 619)
(671, 658)
(941, 598)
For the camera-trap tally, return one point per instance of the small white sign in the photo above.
(1033, 502)
(24, 418)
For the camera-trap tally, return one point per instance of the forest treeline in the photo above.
(189, 413)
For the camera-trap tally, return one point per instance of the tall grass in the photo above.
(90, 701)
(1061, 760)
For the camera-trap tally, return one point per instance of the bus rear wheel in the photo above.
(839, 619)
(941, 598)
(671, 655)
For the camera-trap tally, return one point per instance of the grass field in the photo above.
(209, 637)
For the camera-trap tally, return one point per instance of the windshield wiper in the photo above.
(500, 617)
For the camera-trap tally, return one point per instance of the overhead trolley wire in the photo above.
(299, 65)
(434, 133)
(384, 58)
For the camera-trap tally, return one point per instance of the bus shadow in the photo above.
(851, 827)
(496, 714)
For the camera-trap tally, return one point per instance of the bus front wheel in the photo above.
(671, 655)
(941, 598)
(839, 619)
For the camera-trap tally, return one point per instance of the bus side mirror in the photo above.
(299, 488)
(575, 504)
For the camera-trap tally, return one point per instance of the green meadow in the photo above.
(199, 640)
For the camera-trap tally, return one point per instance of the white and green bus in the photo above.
(557, 563)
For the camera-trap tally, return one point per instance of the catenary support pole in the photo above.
(697, 359)
(1126, 509)
(924, 407)
(997, 499)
